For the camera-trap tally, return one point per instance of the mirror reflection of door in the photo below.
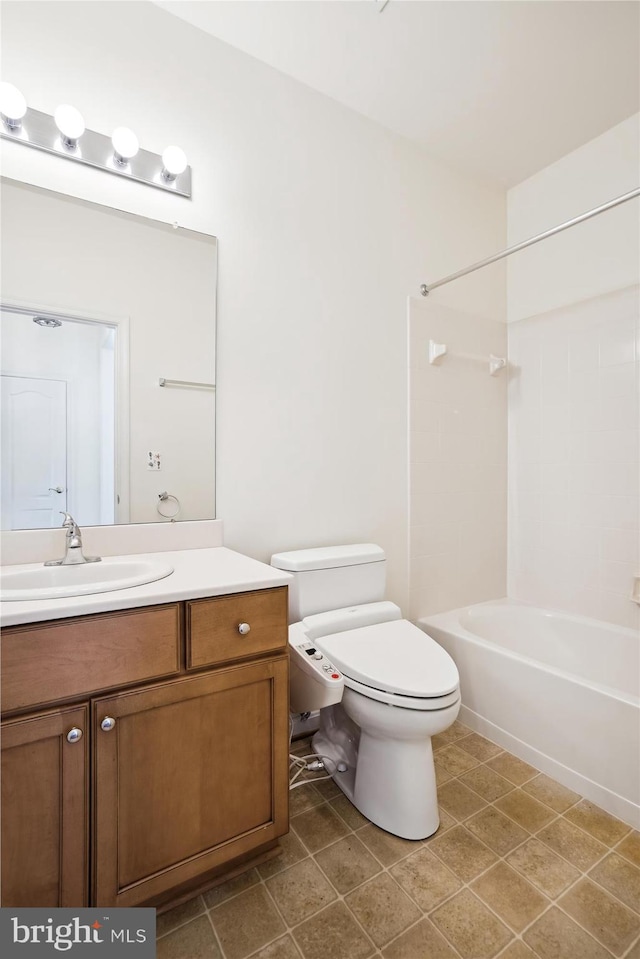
(34, 451)
(58, 420)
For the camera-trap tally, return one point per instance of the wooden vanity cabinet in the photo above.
(188, 775)
(45, 809)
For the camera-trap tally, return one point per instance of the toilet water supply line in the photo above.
(317, 763)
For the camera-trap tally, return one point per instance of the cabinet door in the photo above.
(44, 809)
(189, 775)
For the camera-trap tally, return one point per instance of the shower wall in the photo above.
(573, 457)
(457, 460)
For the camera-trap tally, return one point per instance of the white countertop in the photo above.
(197, 573)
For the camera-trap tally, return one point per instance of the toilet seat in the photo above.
(396, 663)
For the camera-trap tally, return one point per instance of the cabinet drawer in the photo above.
(75, 657)
(213, 635)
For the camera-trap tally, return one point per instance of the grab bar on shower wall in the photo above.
(496, 363)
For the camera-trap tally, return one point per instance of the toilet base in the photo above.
(389, 780)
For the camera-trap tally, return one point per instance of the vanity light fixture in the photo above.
(13, 106)
(65, 135)
(174, 162)
(125, 145)
(70, 123)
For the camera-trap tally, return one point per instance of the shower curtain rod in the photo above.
(426, 288)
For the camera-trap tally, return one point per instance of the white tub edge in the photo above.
(611, 802)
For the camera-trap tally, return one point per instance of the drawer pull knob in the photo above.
(107, 723)
(244, 628)
(74, 735)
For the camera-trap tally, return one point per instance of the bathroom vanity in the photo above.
(145, 735)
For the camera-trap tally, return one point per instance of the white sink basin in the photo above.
(56, 582)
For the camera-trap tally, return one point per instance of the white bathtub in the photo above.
(559, 691)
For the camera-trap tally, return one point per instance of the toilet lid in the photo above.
(396, 657)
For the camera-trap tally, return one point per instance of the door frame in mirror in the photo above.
(121, 326)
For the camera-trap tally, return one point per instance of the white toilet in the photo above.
(383, 687)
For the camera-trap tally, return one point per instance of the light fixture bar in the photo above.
(39, 130)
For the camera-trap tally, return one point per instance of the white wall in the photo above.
(326, 223)
(595, 257)
(458, 460)
(574, 490)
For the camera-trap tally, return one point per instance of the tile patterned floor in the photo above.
(521, 868)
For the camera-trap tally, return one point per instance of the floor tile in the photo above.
(463, 853)
(196, 940)
(303, 798)
(319, 826)
(575, 845)
(479, 747)
(525, 810)
(426, 879)
(630, 848)
(498, 832)
(555, 936)
(634, 953)
(422, 941)
(510, 896)
(328, 789)
(385, 847)
(455, 760)
(300, 891)
(347, 863)
(455, 731)
(292, 851)
(608, 921)
(232, 887)
(284, 948)
(382, 908)
(598, 823)
(486, 782)
(332, 934)
(543, 867)
(470, 927)
(458, 800)
(619, 877)
(246, 923)
(442, 775)
(548, 791)
(178, 916)
(512, 768)
(347, 811)
(517, 950)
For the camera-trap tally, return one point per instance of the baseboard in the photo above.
(617, 805)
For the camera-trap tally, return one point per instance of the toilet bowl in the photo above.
(382, 685)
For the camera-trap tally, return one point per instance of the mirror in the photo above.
(99, 308)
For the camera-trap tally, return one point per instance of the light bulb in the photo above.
(125, 145)
(70, 123)
(13, 105)
(174, 163)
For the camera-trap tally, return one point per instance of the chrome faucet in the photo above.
(73, 555)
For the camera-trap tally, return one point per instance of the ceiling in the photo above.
(497, 89)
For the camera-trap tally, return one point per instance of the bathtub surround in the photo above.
(457, 459)
(559, 691)
(574, 461)
(520, 867)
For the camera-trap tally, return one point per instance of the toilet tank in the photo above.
(332, 577)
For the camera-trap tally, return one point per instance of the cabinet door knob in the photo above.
(244, 628)
(74, 735)
(107, 723)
